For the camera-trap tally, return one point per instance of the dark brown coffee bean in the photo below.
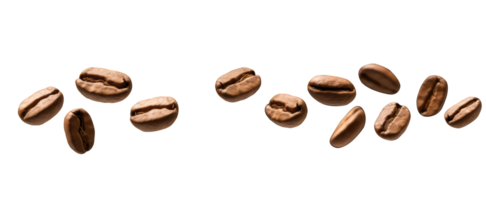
(379, 78)
(349, 127)
(238, 84)
(392, 121)
(41, 106)
(154, 114)
(463, 113)
(104, 85)
(331, 90)
(80, 131)
(432, 95)
(286, 110)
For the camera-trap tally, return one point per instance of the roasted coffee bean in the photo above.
(432, 95)
(286, 110)
(238, 84)
(80, 131)
(41, 106)
(104, 85)
(154, 114)
(349, 127)
(392, 121)
(463, 113)
(379, 78)
(331, 90)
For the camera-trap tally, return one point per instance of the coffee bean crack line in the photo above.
(149, 108)
(332, 88)
(241, 79)
(81, 130)
(390, 119)
(375, 82)
(103, 81)
(278, 106)
(429, 97)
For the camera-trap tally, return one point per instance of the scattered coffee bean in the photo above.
(238, 84)
(348, 128)
(41, 106)
(431, 96)
(379, 78)
(464, 112)
(103, 85)
(154, 114)
(286, 110)
(79, 130)
(392, 121)
(331, 90)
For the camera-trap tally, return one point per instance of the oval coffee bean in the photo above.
(349, 127)
(463, 113)
(331, 90)
(286, 110)
(154, 114)
(104, 85)
(238, 84)
(432, 95)
(379, 78)
(41, 106)
(79, 129)
(392, 121)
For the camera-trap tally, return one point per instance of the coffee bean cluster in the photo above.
(284, 110)
(390, 124)
(99, 85)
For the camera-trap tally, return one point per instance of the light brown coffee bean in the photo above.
(349, 127)
(154, 114)
(432, 96)
(379, 78)
(463, 113)
(331, 90)
(286, 110)
(104, 85)
(392, 121)
(41, 106)
(80, 131)
(238, 84)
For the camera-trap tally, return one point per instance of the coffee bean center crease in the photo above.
(149, 108)
(94, 79)
(374, 81)
(390, 119)
(430, 95)
(81, 131)
(332, 88)
(282, 107)
(241, 79)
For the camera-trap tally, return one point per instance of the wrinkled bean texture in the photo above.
(392, 121)
(238, 84)
(154, 114)
(349, 127)
(463, 113)
(41, 106)
(80, 131)
(331, 90)
(286, 110)
(432, 96)
(104, 85)
(379, 78)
